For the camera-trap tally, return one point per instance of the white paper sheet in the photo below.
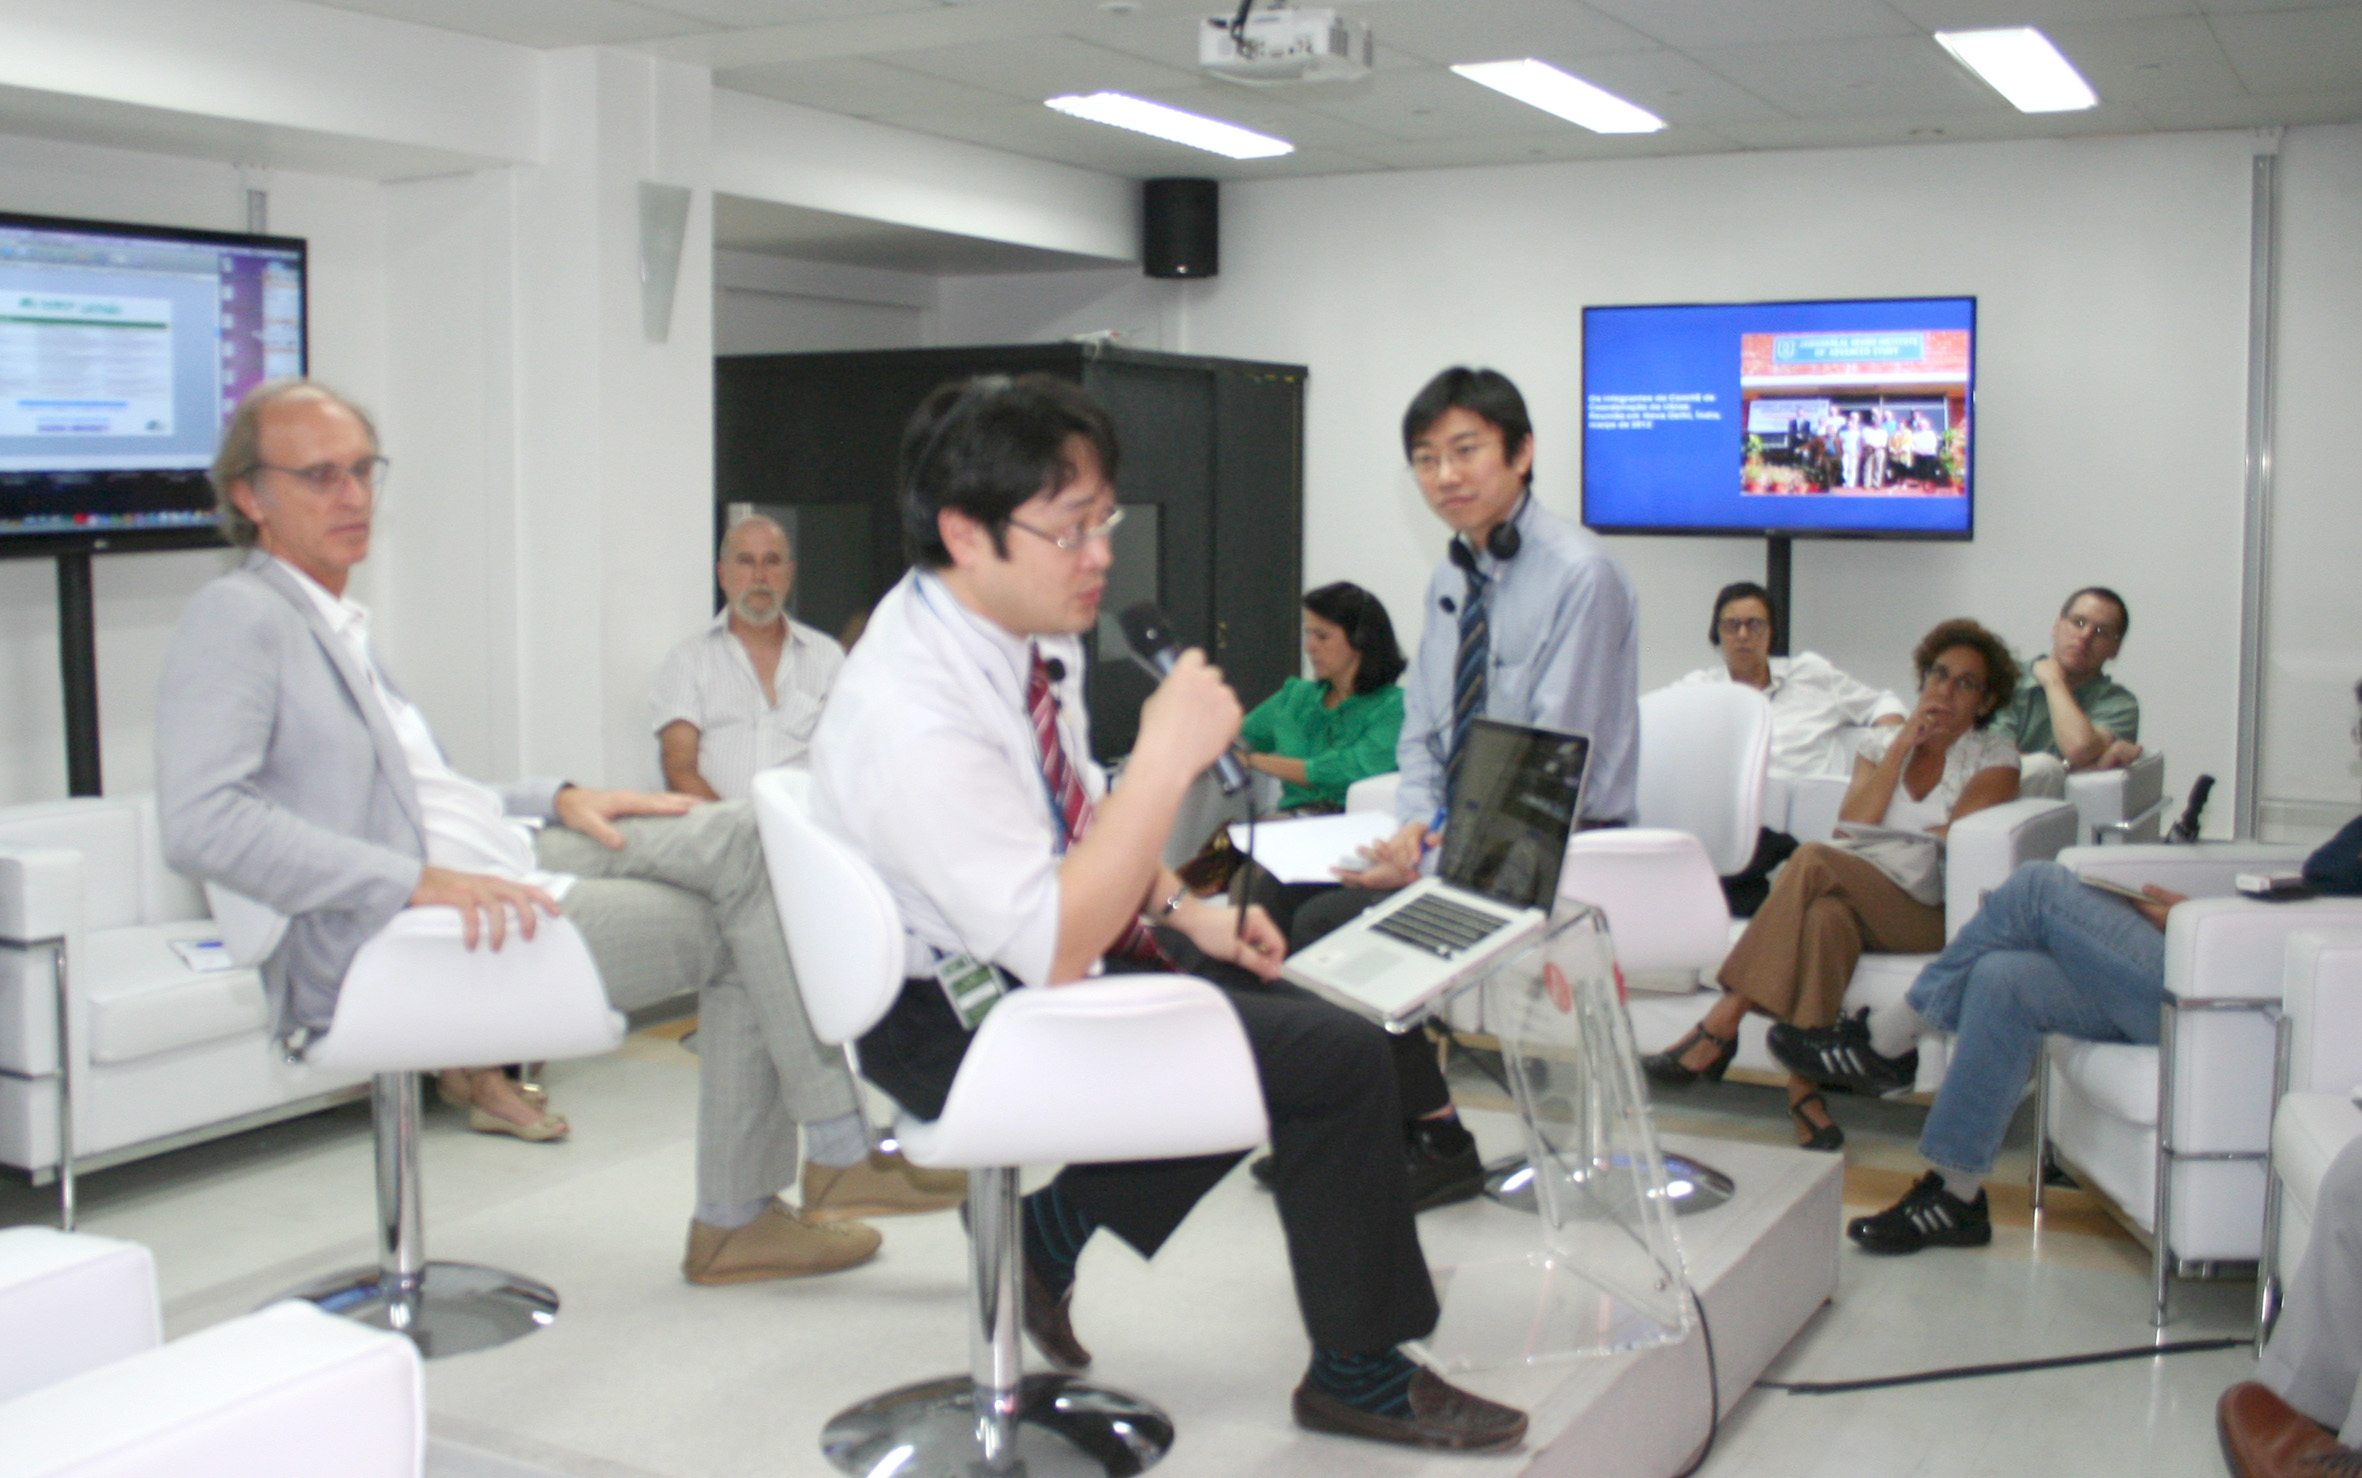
(1310, 849)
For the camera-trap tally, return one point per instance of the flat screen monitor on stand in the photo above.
(1840, 419)
(123, 350)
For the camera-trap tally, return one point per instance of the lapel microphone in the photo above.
(1150, 636)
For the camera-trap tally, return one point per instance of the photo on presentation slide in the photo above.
(1882, 414)
(1839, 419)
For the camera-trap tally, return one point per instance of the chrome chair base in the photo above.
(454, 1308)
(1691, 1186)
(1065, 1429)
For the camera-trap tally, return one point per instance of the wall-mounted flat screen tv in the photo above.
(123, 350)
(1824, 420)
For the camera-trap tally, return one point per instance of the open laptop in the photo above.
(1513, 804)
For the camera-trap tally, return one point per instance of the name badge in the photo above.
(972, 988)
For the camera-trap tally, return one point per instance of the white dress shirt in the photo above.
(708, 680)
(926, 762)
(467, 827)
(1811, 703)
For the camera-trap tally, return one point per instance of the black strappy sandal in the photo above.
(1666, 1067)
(1827, 1138)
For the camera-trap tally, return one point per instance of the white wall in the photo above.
(772, 305)
(139, 596)
(2112, 284)
(2314, 624)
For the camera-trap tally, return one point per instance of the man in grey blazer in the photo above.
(292, 772)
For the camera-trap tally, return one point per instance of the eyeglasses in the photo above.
(1744, 625)
(1461, 455)
(1940, 676)
(2085, 625)
(1073, 538)
(325, 478)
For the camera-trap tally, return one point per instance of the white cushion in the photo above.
(2116, 1078)
(2308, 1132)
(2323, 1003)
(1374, 792)
(108, 835)
(1664, 903)
(144, 999)
(290, 1392)
(70, 1302)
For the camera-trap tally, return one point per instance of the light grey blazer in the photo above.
(279, 778)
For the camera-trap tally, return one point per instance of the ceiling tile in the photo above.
(854, 86)
(1494, 30)
(1856, 79)
(1697, 23)
(2295, 50)
(1961, 15)
(1037, 131)
(1427, 103)
(2281, 110)
(1932, 128)
(1676, 89)
(1545, 147)
(1034, 68)
(2243, 7)
(1267, 111)
(540, 23)
(747, 13)
(2134, 61)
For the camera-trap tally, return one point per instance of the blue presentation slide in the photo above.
(1836, 418)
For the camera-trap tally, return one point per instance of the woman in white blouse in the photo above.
(1812, 705)
(1830, 903)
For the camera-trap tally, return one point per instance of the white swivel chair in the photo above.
(1131, 1068)
(1704, 752)
(2315, 1114)
(417, 999)
(2176, 1135)
(88, 1388)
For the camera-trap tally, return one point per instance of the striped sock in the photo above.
(1055, 1231)
(1379, 1384)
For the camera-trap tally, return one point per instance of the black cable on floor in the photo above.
(1713, 1389)
(2007, 1367)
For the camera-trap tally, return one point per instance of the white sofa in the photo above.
(2317, 1116)
(2196, 1191)
(88, 1388)
(162, 1053)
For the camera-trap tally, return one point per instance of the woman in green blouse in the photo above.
(1319, 736)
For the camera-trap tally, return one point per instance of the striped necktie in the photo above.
(1074, 804)
(1468, 669)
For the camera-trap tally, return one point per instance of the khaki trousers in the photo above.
(1825, 909)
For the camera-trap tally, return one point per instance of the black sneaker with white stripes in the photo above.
(1840, 1056)
(1929, 1216)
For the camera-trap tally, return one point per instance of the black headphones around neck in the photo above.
(1502, 543)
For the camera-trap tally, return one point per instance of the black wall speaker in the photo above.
(1181, 228)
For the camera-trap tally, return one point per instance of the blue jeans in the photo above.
(2045, 954)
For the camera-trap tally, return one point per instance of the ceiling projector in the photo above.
(1310, 45)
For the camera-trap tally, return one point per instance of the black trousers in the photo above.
(1328, 1081)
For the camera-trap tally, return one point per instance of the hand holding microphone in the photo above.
(1192, 708)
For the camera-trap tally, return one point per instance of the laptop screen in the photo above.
(1514, 802)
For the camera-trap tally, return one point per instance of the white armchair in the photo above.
(87, 1386)
(158, 1052)
(2176, 1135)
(2316, 1114)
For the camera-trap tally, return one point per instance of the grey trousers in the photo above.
(2314, 1360)
(687, 903)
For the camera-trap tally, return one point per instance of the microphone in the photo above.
(1054, 669)
(1150, 637)
(2186, 829)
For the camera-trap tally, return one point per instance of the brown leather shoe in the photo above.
(882, 1185)
(1442, 1416)
(1047, 1320)
(2265, 1437)
(776, 1244)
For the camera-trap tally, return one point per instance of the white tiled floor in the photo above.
(644, 1375)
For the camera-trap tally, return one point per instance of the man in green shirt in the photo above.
(2067, 705)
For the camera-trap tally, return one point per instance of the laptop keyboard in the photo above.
(1438, 925)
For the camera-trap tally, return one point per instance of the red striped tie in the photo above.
(1074, 805)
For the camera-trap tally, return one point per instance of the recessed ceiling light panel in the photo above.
(1541, 85)
(2022, 65)
(1120, 110)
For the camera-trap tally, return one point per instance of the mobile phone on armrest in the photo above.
(2277, 887)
